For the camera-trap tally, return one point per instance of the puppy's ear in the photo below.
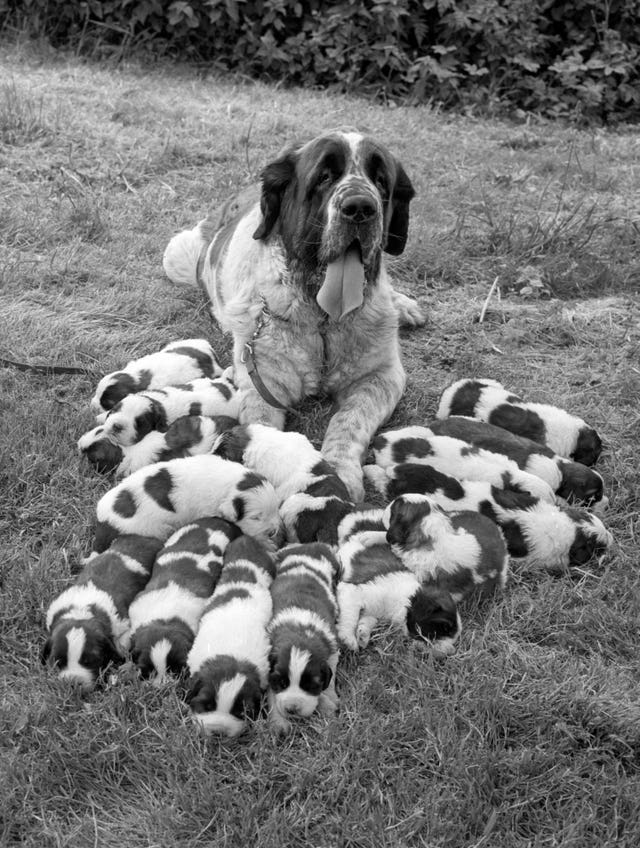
(398, 228)
(194, 685)
(275, 178)
(152, 419)
(325, 674)
(45, 653)
(232, 443)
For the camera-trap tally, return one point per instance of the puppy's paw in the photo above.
(363, 635)
(409, 313)
(328, 703)
(348, 639)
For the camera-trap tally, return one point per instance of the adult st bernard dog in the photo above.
(295, 271)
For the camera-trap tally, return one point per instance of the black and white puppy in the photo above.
(177, 362)
(566, 434)
(303, 632)
(309, 518)
(165, 616)
(229, 660)
(187, 436)
(463, 552)
(376, 587)
(132, 418)
(88, 623)
(455, 457)
(538, 534)
(157, 500)
(568, 479)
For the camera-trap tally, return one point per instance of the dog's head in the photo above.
(100, 451)
(588, 446)
(223, 694)
(580, 482)
(299, 671)
(408, 520)
(338, 200)
(132, 418)
(432, 617)
(161, 647)
(591, 536)
(81, 647)
(113, 388)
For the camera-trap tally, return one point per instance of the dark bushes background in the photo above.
(578, 59)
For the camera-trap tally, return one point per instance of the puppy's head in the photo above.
(299, 671)
(404, 519)
(161, 647)
(591, 536)
(100, 451)
(588, 446)
(580, 482)
(224, 694)
(432, 617)
(133, 418)
(111, 390)
(80, 649)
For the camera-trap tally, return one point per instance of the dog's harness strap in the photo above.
(248, 357)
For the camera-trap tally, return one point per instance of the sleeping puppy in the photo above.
(177, 362)
(488, 400)
(189, 435)
(229, 660)
(160, 498)
(297, 276)
(568, 479)
(88, 623)
(538, 534)
(463, 552)
(132, 418)
(456, 458)
(375, 586)
(165, 615)
(304, 646)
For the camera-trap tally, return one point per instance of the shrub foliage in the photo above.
(563, 58)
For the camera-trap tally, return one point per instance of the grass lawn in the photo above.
(530, 734)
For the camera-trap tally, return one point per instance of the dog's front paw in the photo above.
(363, 635)
(328, 703)
(409, 313)
(351, 476)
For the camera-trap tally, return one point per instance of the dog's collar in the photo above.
(248, 358)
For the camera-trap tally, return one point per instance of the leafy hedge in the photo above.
(569, 58)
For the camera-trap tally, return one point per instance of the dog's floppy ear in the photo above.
(398, 228)
(325, 675)
(275, 178)
(194, 685)
(45, 653)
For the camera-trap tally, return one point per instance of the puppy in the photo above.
(307, 518)
(538, 534)
(136, 415)
(187, 436)
(177, 362)
(160, 498)
(88, 623)
(165, 615)
(375, 586)
(462, 552)
(488, 400)
(304, 646)
(454, 457)
(229, 660)
(568, 479)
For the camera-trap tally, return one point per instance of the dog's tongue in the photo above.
(342, 290)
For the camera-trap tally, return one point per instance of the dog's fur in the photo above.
(177, 362)
(375, 586)
(136, 415)
(456, 458)
(342, 194)
(311, 518)
(463, 552)
(488, 400)
(568, 479)
(88, 623)
(229, 660)
(303, 631)
(160, 498)
(165, 616)
(189, 435)
(539, 535)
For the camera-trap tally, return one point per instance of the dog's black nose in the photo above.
(358, 209)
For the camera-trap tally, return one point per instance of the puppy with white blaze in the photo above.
(463, 552)
(177, 362)
(88, 623)
(303, 632)
(376, 587)
(190, 435)
(160, 498)
(165, 615)
(135, 416)
(566, 434)
(538, 534)
(455, 457)
(568, 479)
(229, 660)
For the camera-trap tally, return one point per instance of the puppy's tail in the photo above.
(180, 260)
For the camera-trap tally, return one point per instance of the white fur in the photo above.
(78, 599)
(166, 368)
(74, 671)
(201, 486)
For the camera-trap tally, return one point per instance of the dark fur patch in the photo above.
(404, 518)
(406, 450)
(580, 482)
(123, 384)
(373, 561)
(233, 443)
(159, 486)
(232, 572)
(184, 432)
(516, 542)
(327, 487)
(104, 456)
(104, 535)
(153, 419)
(203, 360)
(512, 497)
(203, 687)
(144, 379)
(222, 598)
(195, 408)
(124, 504)
(239, 508)
(588, 446)
(432, 614)
(518, 420)
(492, 438)
(465, 398)
(247, 548)
(224, 388)
(321, 525)
(423, 479)
(250, 481)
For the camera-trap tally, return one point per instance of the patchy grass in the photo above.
(530, 734)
